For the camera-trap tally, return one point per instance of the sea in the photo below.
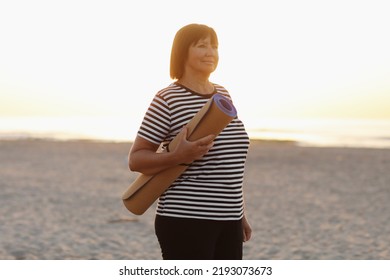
(359, 133)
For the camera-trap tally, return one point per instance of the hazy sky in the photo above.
(277, 58)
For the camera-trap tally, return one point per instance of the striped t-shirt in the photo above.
(210, 188)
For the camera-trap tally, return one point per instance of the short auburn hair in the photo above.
(188, 36)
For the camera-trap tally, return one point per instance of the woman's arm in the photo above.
(144, 159)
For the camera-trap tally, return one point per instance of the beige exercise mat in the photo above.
(214, 116)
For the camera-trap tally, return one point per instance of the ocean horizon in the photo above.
(360, 133)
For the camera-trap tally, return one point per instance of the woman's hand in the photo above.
(189, 151)
(247, 229)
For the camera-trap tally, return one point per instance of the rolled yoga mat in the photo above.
(212, 118)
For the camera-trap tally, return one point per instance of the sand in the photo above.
(61, 200)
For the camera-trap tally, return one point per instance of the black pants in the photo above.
(195, 239)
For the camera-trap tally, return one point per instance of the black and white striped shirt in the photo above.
(211, 188)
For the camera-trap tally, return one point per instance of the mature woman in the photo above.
(201, 215)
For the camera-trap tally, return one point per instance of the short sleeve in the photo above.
(156, 123)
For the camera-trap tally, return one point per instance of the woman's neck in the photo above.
(199, 85)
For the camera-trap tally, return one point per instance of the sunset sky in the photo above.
(278, 59)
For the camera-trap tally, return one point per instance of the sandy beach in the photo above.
(62, 200)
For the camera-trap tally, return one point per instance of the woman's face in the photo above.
(203, 57)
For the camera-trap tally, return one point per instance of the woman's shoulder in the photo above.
(172, 88)
(222, 90)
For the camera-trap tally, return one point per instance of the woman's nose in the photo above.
(211, 51)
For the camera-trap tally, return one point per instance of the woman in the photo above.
(201, 215)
